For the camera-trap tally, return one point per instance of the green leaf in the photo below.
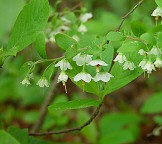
(75, 104)
(153, 104)
(130, 46)
(115, 36)
(138, 28)
(159, 39)
(41, 45)
(159, 3)
(158, 119)
(119, 137)
(49, 71)
(31, 20)
(107, 56)
(64, 41)
(6, 138)
(20, 135)
(148, 38)
(71, 52)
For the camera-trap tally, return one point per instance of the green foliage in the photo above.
(159, 3)
(75, 104)
(153, 104)
(148, 38)
(41, 45)
(30, 22)
(115, 36)
(65, 42)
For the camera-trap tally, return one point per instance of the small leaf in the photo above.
(41, 45)
(75, 104)
(49, 71)
(153, 104)
(159, 3)
(115, 36)
(64, 41)
(148, 38)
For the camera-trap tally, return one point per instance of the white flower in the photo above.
(121, 58)
(67, 21)
(25, 82)
(142, 63)
(103, 76)
(158, 62)
(155, 51)
(84, 76)
(82, 28)
(141, 52)
(129, 65)
(81, 59)
(43, 82)
(63, 77)
(62, 29)
(85, 17)
(97, 62)
(64, 65)
(157, 12)
(149, 67)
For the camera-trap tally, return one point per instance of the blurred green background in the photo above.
(129, 115)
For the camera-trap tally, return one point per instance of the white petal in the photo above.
(103, 76)
(97, 62)
(83, 76)
(157, 12)
(82, 28)
(120, 58)
(86, 17)
(63, 77)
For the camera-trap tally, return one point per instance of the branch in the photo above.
(44, 110)
(96, 112)
(128, 14)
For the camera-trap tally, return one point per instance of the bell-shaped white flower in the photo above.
(82, 28)
(65, 20)
(84, 76)
(155, 51)
(149, 67)
(103, 76)
(63, 77)
(25, 82)
(143, 63)
(97, 63)
(121, 58)
(64, 65)
(157, 12)
(43, 82)
(142, 52)
(129, 65)
(81, 59)
(158, 62)
(85, 17)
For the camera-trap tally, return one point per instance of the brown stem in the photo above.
(128, 14)
(96, 112)
(44, 110)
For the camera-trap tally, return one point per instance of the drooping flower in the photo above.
(121, 58)
(158, 62)
(149, 66)
(97, 63)
(129, 65)
(142, 52)
(63, 77)
(43, 82)
(25, 82)
(85, 17)
(66, 21)
(157, 13)
(103, 76)
(84, 76)
(142, 63)
(81, 59)
(82, 28)
(64, 65)
(155, 51)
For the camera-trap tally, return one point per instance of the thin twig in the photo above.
(96, 112)
(128, 14)
(44, 110)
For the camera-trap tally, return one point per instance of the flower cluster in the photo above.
(151, 60)
(121, 58)
(83, 60)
